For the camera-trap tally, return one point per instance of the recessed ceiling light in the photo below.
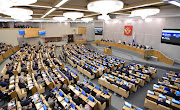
(105, 6)
(145, 12)
(73, 15)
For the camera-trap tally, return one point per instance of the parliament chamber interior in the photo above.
(89, 54)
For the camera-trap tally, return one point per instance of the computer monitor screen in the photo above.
(90, 98)
(105, 92)
(97, 88)
(73, 106)
(42, 33)
(77, 88)
(21, 32)
(171, 36)
(83, 93)
(61, 94)
(98, 30)
(66, 99)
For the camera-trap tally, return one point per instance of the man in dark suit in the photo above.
(65, 89)
(77, 100)
(101, 99)
(86, 89)
(162, 101)
(125, 87)
(2, 94)
(22, 84)
(171, 94)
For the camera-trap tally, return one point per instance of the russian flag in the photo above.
(133, 39)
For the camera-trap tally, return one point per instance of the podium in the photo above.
(107, 51)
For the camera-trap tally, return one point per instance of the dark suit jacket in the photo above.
(171, 94)
(87, 90)
(125, 87)
(163, 103)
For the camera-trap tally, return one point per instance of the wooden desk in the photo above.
(107, 51)
(1, 58)
(80, 41)
(92, 104)
(97, 91)
(161, 56)
(7, 53)
(107, 97)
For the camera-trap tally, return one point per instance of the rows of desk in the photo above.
(8, 53)
(89, 62)
(165, 95)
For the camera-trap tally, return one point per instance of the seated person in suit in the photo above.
(171, 93)
(77, 100)
(3, 94)
(3, 82)
(25, 101)
(109, 47)
(125, 86)
(84, 106)
(65, 89)
(86, 89)
(22, 76)
(24, 69)
(40, 80)
(162, 101)
(56, 80)
(51, 101)
(9, 72)
(22, 84)
(79, 84)
(101, 99)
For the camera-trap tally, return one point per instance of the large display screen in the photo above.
(21, 32)
(98, 31)
(41, 33)
(171, 36)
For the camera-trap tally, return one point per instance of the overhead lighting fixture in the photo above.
(105, 17)
(174, 2)
(22, 2)
(17, 11)
(105, 6)
(50, 11)
(148, 19)
(87, 19)
(61, 3)
(60, 19)
(22, 18)
(5, 4)
(73, 15)
(145, 12)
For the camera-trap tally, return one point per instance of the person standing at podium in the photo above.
(109, 47)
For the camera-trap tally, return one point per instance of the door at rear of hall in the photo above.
(70, 38)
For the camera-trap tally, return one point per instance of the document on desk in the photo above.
(11, 86)
(38, 105)
(76, 91)
(12, 81)
(60, 98)
(168, 101)
(71, 87)
(64, 103)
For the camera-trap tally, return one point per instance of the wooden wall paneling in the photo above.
(81, 30)
(32, 32)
